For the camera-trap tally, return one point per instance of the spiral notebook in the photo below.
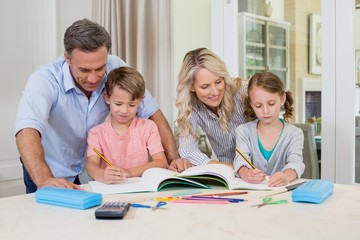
(70, 198)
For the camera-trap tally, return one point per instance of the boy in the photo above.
(125, 140)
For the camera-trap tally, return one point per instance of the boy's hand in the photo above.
(113, 174)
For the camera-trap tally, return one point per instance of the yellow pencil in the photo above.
(248, 161)
(101, 156)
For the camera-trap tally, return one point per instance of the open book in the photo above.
(154, 179)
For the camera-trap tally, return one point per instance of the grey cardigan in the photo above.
(287, 153)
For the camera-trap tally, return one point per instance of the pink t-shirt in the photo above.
(132, 149)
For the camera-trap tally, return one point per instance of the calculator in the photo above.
(112, 210)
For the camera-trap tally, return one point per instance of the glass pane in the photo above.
(313, 104)
(255, 56)
(255, 32)
(277, 58)
(277, 35)
(263, 40)
(251, 72)
(280, 74)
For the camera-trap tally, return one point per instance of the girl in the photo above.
(272, 144)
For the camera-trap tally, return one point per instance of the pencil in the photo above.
(211, 198)
(288, 188)
(248, 161)
(101, 156)
(222, 194)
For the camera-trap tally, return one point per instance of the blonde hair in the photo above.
(186, 99)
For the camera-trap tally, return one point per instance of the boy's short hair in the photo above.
(128, 79)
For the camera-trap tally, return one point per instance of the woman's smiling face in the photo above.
(209, 88)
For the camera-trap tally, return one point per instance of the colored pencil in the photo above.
(287, 189)
(102, 156)
(200, 201)
(222, 194)
(248, 161)
(210, 198)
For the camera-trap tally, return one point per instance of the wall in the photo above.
(297, 13)
(24, 49)
(68, 12)
(30, 37)
(277, 9)
(191, 30)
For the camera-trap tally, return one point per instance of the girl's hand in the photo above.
(282, 178)
(251, 175)
(113, 174)
(278, 179)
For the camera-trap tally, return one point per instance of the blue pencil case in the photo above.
(70, 198)
(313, 191)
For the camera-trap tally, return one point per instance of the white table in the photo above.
(336, 218)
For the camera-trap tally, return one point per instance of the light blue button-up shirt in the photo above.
(60, 111)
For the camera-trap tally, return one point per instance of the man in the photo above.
(63, 100)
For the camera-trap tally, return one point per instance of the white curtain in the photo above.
(141, 36)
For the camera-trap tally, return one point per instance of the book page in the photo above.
(218, 170)
(151, 181)
(238, 183)
(160, 177)
(226, 173)
(130, 185)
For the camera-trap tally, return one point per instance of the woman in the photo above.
(208, 98)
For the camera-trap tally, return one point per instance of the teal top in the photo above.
(267, 153)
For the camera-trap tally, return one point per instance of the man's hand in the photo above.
(59, 182)
(180, 164)
(32, 154)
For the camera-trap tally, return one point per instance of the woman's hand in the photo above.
(179, 165)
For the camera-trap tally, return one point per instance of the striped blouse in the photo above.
(223, 143)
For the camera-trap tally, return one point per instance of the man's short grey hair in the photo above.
(87, 36)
